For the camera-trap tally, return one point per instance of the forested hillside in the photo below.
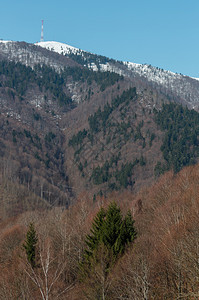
(33, 102)
(122, 247)
(77, 129)
(128, 142)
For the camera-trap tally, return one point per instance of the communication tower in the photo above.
(42, 30)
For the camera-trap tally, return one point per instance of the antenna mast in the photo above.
(42, 30)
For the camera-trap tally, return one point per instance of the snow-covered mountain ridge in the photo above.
(142, 69)
(58, 47)
(180, 85)
(58, 55)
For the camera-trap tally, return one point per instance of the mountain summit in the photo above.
(60, 48)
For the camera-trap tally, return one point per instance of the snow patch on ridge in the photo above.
(152, 73)
(60, 48)
(5, 42)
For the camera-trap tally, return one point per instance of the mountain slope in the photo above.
(35, 103)
(29, 55)
(128, 143)
(77, 121)
(174, 85)
(118, 148)
(178, 87)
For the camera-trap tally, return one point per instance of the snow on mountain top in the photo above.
(5, 42)
(63, 48)
(60, 48)
(131, 65)
(154, 74)
(146, 68)
(195, 78)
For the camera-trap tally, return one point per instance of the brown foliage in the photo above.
(163, 263)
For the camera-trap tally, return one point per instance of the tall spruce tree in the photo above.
(30, 245)
(108, 238)
(93, 239)
(111, 231)
(127, 234)
(112, 228)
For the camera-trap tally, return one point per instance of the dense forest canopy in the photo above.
(180, 144)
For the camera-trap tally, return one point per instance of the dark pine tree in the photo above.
(30, 245)
(111, 233)
(93, 239)
(127, 234)
(112, 228)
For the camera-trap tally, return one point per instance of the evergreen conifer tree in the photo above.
(93, 239)
(30, 245)
(108, 238)
(110, 230)
(127, 234)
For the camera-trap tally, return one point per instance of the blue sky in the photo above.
(164, 34)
